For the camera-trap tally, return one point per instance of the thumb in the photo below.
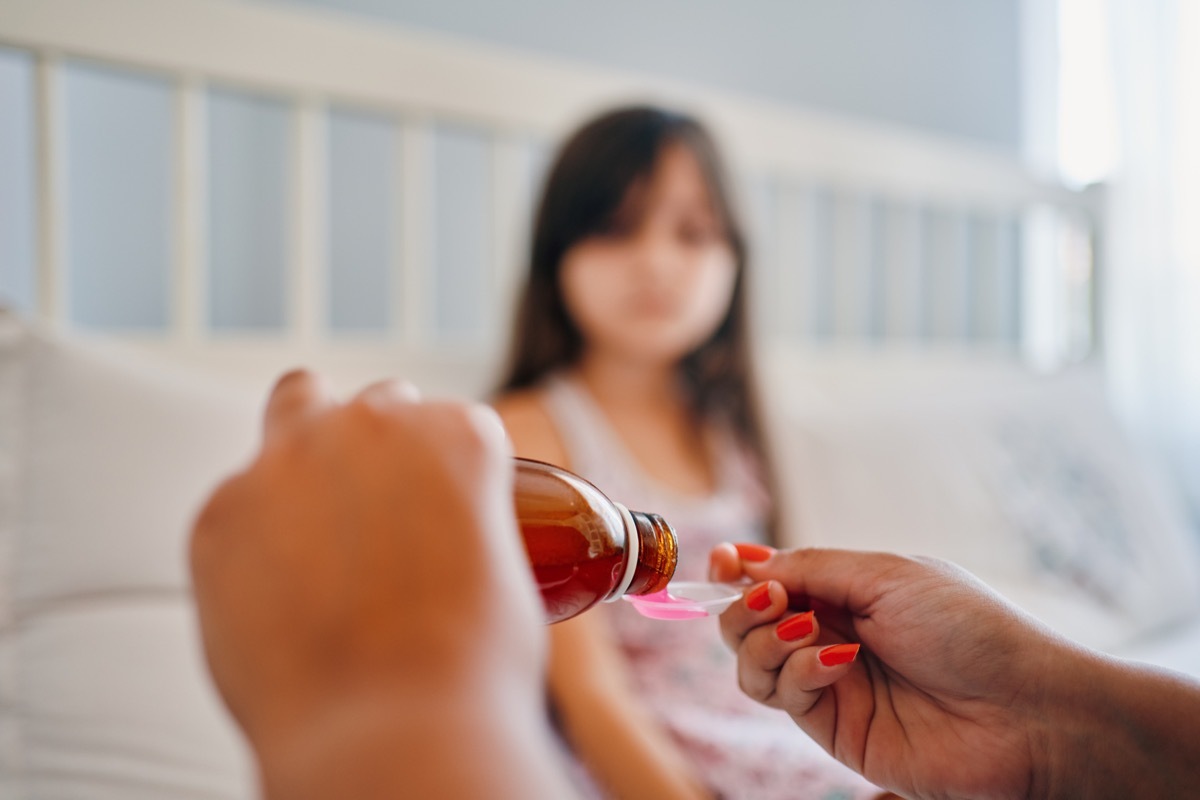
(724, 564)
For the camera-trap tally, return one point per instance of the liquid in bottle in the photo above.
(583, 547)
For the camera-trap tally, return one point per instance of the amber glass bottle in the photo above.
(583, 547)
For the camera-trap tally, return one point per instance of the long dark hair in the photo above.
(590, 177)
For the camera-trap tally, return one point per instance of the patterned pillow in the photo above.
(1025, 480)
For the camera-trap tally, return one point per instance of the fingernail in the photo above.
(754, 552)
(795, 627)
(759, 598)
(838, 654)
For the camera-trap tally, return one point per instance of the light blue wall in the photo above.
(363, 220)
(462, 242)
(942, 65)
(249, 192)
(119, 192)
(947, 66)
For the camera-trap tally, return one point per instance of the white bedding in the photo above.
(1025, 480)
(1176, 648)
(103, 459)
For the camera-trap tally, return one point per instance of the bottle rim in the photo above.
(633, 544)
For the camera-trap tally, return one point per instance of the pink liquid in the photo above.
(664, 605)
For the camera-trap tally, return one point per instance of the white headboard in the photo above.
(864, 234)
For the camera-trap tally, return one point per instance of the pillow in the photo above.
(1025, 480)
(103, 460)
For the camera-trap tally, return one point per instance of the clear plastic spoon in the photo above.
(686, 600)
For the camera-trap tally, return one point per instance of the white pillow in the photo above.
(103, 461)
(1025, 480)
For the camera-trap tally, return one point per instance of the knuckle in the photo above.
(797, 694)
(474, 429)
(745, 685)
(291, 387)
(934, 568)
(755, 687)
(363, 416)
(361, 408)
(390, 392)
(765, 643)
(490, 431)
(294, 376)
(211, 520)
(209, 517)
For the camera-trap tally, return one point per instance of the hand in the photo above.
(944, 699)
(368, 562)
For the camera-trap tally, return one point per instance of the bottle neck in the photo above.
(652, 552)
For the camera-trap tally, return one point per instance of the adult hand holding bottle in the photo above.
(368, 616)
(365, 603)
(954, 693)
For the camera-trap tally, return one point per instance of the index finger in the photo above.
(298, 396)
(846, 579)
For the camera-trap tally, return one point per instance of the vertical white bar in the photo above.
(795, 229)
(1008, 280)
(850, 275)
(509, 213)
(947, 292)
(1076, 275)
(874, 262)
(52, 290)
(902, 256)
(190, 292)
(397, 240)
(761, 196)
(1039, 76)
(309, 235)
(1041, 296)
(819, 246)
(416, 237)
(962, 301)
(968, 275)
(988, 274)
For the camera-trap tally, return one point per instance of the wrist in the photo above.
(1121, 729)
(315, 754)
(1066, 720)
(399, 742)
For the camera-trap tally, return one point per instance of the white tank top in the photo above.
(734, 512)
(681, 670)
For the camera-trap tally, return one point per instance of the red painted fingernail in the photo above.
(754, 552)
(759, 598)
(795, 627)
(838, 654)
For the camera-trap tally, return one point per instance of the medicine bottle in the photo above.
(583, 547)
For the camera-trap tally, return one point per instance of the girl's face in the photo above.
(658, 282)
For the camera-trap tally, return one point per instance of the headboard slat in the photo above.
(308, 283)
(190, 279)
(416, 234)
(51, 192)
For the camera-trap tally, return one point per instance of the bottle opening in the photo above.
(658, 554)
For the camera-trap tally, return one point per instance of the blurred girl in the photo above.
(631, 366)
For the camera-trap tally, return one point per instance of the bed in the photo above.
(926, 312)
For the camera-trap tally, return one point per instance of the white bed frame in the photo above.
(315, 60)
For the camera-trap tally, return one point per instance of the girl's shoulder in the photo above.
(530, 426)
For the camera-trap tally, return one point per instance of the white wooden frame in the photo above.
(317, 59)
